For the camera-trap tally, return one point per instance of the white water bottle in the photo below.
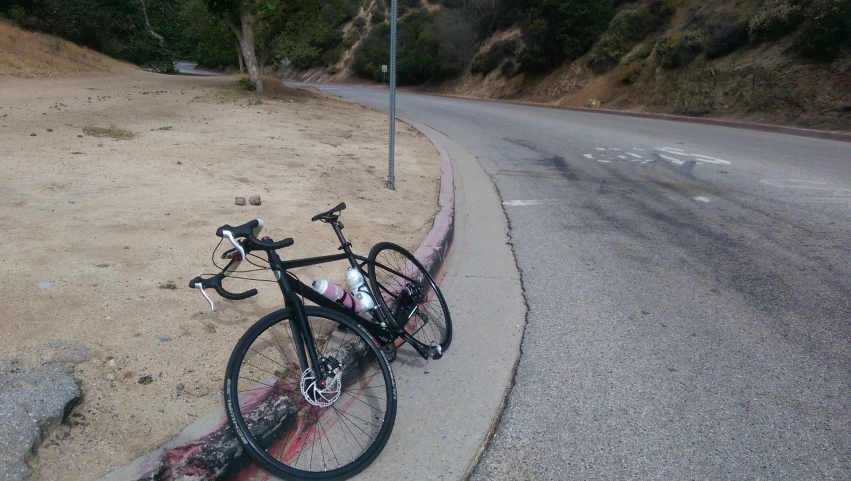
(358, 287)
(337, 294)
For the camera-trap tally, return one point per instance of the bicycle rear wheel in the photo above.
(407, 291)
(297, 426)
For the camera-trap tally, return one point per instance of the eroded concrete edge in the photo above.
(207, 448)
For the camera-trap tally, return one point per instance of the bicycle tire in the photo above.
(388, 267)
(277, 429)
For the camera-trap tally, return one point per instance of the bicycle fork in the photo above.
(299, 326)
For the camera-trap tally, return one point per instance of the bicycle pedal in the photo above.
(435, 352)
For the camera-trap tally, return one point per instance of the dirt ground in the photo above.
(112, 189)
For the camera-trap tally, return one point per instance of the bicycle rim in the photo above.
(425, 316)
(293, 431)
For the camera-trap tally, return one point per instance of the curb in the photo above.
(777, 129)
(207, 448)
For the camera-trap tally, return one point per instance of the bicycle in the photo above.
(337, 386)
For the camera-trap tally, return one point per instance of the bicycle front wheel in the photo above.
(301, 426)
(407, 291)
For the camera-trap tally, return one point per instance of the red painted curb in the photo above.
(208, 449)
(778, 129)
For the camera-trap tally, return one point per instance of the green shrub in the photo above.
(826, 30)
(431, 46)
(726, 40)
(247, 85)
(774, 20)
(562, 29)
(509, 68)
(625, 30)
(485, 63)
(331, 57)
(680, 49)
(378, 16)
(631, 72)
(19, 16)
(351, 38)
(359, 24)
(642, 53)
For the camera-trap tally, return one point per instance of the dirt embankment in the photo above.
(766, 82)
(113, 186)
(34, 55)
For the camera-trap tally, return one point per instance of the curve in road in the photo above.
(689, 293)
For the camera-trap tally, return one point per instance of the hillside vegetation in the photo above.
(32, 54)
(783, 61)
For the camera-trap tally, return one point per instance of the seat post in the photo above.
(345, 246)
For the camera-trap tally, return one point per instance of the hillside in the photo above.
(32, 54)
(774, 61)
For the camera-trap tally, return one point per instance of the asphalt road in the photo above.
(688, 291)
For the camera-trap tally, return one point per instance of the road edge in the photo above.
(772, 128)
(207, 448)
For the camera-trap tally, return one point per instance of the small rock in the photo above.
(111, 363)
(50, 130)
(238, 200)
(254, 200)
(180, 387)
(179, 163)
(164, 338)
(110, 377)
(79, 136)
(145, 380)
(32, 134)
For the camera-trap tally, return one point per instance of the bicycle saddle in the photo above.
(329, 215)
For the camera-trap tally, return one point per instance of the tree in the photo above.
(272, 28)
(561, 30)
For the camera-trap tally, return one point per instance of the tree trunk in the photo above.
(241, 62)
(159, 38)
(245, 37)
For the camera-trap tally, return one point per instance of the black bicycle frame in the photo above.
(384, 328)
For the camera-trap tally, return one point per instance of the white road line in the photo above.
(640, 150)
(520, 203)
(604, 161)
(600, 148)
(589, 156)
(701, 199)
(622, 157)
(634, 155)
(670, 149)
(676, 161)
(618, 150)
(711, 160)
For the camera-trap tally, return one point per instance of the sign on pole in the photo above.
(383, 71)
(391, 176)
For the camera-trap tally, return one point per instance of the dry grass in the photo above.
(32, 55)
(111, 132)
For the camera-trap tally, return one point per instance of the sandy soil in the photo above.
(120, 226)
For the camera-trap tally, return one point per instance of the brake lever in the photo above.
(201, 288)
(229, 236)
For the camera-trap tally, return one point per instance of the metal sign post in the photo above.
(391, 176)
